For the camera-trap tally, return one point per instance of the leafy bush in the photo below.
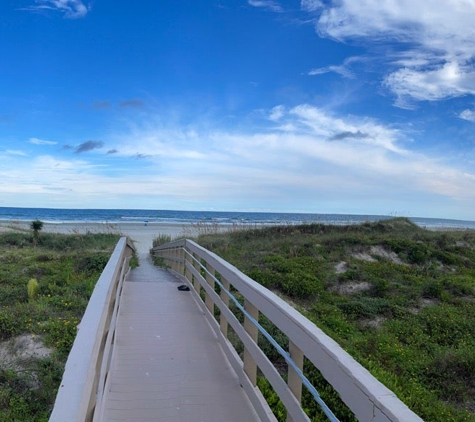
(67, 268)
(92, 263)
(422, 347)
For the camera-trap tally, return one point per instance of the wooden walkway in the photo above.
(167, 363)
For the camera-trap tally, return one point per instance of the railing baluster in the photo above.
(223, 323)
(294, 381)
(182, 261)
(250, 366)
(196, 282)
(210, 280)
(188, 274)
(174, 262)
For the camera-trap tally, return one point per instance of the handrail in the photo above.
(366, 397)
(274, 343)
(87, 366)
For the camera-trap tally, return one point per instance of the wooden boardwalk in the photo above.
(167, 363)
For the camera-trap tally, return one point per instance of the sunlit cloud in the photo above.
(277, 113)
(468, 115)
(16, 152)
(266, 4)
(311, 5)
(71, 9)
(341, 70)
(37, 141)
(432, 42)
(317, 146)
(320, 159)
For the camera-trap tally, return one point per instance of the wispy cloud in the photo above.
(341, 70)
(16, 152)
(277, 113)
(306, 156)
(88, 146)
(37, 141)
(308, 150)
(434, 41)
(135, 103)
(71, 9)
(468, 115)
(311, 5)
(267, 4)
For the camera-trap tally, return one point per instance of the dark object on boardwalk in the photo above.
(183, 288)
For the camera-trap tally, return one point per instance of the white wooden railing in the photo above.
(81, 389)
(365, 396)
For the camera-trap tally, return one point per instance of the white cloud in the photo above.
(437, 39)
(311, 5)
(468, 115)
(71, 9)
(446, 81)
(16, 152)
(310, 159)
(276, 113)
(267, 4)
(341, 70)
(307, 145)
(37, 141)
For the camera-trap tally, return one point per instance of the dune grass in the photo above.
(66, 268)
(400, 299)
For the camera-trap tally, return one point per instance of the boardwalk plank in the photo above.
(168, 365)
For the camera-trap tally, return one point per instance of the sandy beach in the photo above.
(142, 234)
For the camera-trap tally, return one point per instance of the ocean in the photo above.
(56, 215)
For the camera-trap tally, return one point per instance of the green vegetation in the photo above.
(36, 226)
(60, 273)
(400, 299)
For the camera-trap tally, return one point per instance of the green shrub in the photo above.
(272, 399)
(8, 326)
(418, 253)
(421, 344)
(61, 333)
(367, 307)
(92, 263)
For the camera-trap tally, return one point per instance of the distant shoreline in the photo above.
(144, 233)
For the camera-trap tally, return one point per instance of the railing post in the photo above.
(223, 323)
(182, 255)
(250, 366)
(210, 280)
(197, 266)
(173, 256)
(188, 273)
(294, 381)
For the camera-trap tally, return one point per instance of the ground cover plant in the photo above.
(400, 299)
(45, 284)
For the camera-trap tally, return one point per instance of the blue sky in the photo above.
(334, 106)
